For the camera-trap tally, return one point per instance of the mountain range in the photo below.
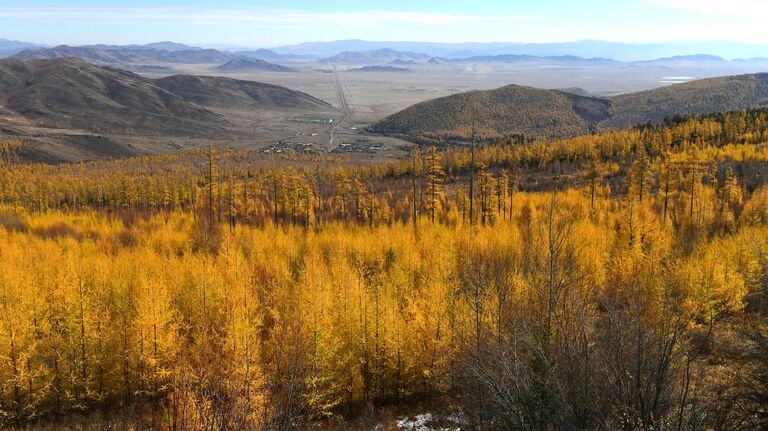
(11, 47)
(160, 58)
(626, 52)
(379, 56)
(100, 55)
(162, 46)
(348, 50)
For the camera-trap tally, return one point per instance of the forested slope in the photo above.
(704, 96)
(540, 113)
(542, 285)
(507, 110)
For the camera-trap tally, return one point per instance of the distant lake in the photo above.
(676, 79)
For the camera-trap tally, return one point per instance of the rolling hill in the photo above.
(555, 114)
(510, 109)
(381, 69)
(74, 110)
(265, 54)
(244, 64)
(226, 93)
(72, 94)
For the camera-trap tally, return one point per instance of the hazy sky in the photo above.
(268, 23)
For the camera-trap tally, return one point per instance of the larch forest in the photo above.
(609, 281)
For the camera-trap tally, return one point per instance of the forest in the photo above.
(616, 280)
(552, 114)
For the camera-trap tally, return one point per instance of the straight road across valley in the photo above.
(342, 105)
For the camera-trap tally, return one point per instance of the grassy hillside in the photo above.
(72, 94)
(552, 113)
(217, 92)
(69, 110)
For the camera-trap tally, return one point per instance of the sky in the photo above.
(269, 23)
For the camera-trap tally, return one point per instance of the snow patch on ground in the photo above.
(426, 422)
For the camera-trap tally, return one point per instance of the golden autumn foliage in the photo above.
(203, 292)
(289, 325)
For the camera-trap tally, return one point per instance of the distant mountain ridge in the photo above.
(684, 58)
(556, 114)
(142, 58)
(513, 58)
(244, 64)
(11, 47)
(116, 55)
(378, 56)
(381, 69)
(587, 49)
(380, 53)
(268, 55)
(160, 46)
(626, 52)
(389, 56)
(264, 54)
